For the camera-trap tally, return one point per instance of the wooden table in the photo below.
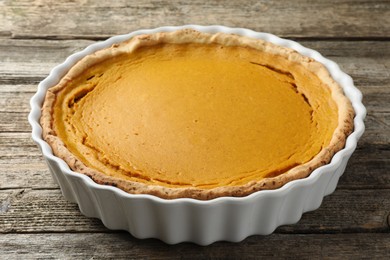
(36, 221)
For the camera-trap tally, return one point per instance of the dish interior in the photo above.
(227, 115)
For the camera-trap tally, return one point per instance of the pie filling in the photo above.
(195, 115)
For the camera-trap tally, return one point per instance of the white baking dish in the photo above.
(201, 222)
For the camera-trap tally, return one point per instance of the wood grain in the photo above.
(100, 19)
(22, 165)
(366, 61)
(123, 246)
(35, 36)
(28, 210)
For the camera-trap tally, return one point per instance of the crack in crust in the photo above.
(345, 120)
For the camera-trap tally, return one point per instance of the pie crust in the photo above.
(187, 36)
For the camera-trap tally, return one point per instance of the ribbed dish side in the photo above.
(201, 224)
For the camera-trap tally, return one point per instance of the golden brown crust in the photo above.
(345, 111)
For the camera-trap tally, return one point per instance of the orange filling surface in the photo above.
(192, 115)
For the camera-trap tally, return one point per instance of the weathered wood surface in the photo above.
(36, 221)
(99, 19)
(29, 61)
(22, 166)
(38, 210)
(122, 246)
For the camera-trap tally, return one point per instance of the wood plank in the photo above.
(377, 123)
(377, 128)
(25, 174)
(17, 149)
(367, 169)
(367, 62)
(336, 48)
(18, 88)
(14, 122)
(123, 246)
(38, 50)
(83, 19)
(36, 221)
(14, 109)
(31, 60)
(15, 102)
(27, 210)
(15, 98)
(22, 164)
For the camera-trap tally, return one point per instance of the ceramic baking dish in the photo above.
(202, 222)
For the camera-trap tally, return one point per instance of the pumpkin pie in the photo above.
(186, 114)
